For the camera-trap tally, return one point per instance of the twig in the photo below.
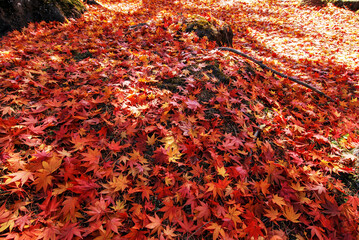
(274, 71)
(256, 134)
(198, 229)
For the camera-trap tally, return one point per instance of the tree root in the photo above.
(260, 63)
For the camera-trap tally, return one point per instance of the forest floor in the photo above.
(115, 129)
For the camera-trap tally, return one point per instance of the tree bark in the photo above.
(16, 14)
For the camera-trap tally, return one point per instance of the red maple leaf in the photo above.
(70, 230)
(193, 104)
(316, 231)
(203, 211)
(187, 226)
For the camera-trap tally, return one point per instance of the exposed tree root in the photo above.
(274, 71)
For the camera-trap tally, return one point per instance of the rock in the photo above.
(91, 2)
(349, 4)
(16, 14)
(317, 3)
(352, 5)
(214, 29)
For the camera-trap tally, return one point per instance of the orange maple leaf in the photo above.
(272, 214)
(278, 200)
(53, 163)
(120, 183)
(151, 140)
(91, 159)
(155, 225)
(217, 229)
(233, 214)
(262, 186)
(290, 214)
(43, 180)
(169, 232)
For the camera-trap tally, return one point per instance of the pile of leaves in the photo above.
(143, 131)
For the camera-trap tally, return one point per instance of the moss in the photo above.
(350, 181)
(70, 8)
(171, 84)
(200, 22)
(348, 4)
(202, 27)
(214, 30)
(215, 70)
(78, 56)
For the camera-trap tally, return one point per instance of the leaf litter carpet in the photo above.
(115, 129)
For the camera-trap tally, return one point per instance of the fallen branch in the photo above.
(274, 71)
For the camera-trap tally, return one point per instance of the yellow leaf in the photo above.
(173, 154)
(143, 58)
(269, 73)
(120, 205)
(222, 171)
(9, 224)
(169, 141)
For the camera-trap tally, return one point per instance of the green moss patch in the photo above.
(70, 8)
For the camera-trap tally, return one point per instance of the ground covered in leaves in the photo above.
(113, 129)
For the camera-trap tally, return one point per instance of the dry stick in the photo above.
(198, 229)
(274, 71)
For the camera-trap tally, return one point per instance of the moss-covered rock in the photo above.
(318, 3)
(70, 8)
(348, 4)
(213, 29)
